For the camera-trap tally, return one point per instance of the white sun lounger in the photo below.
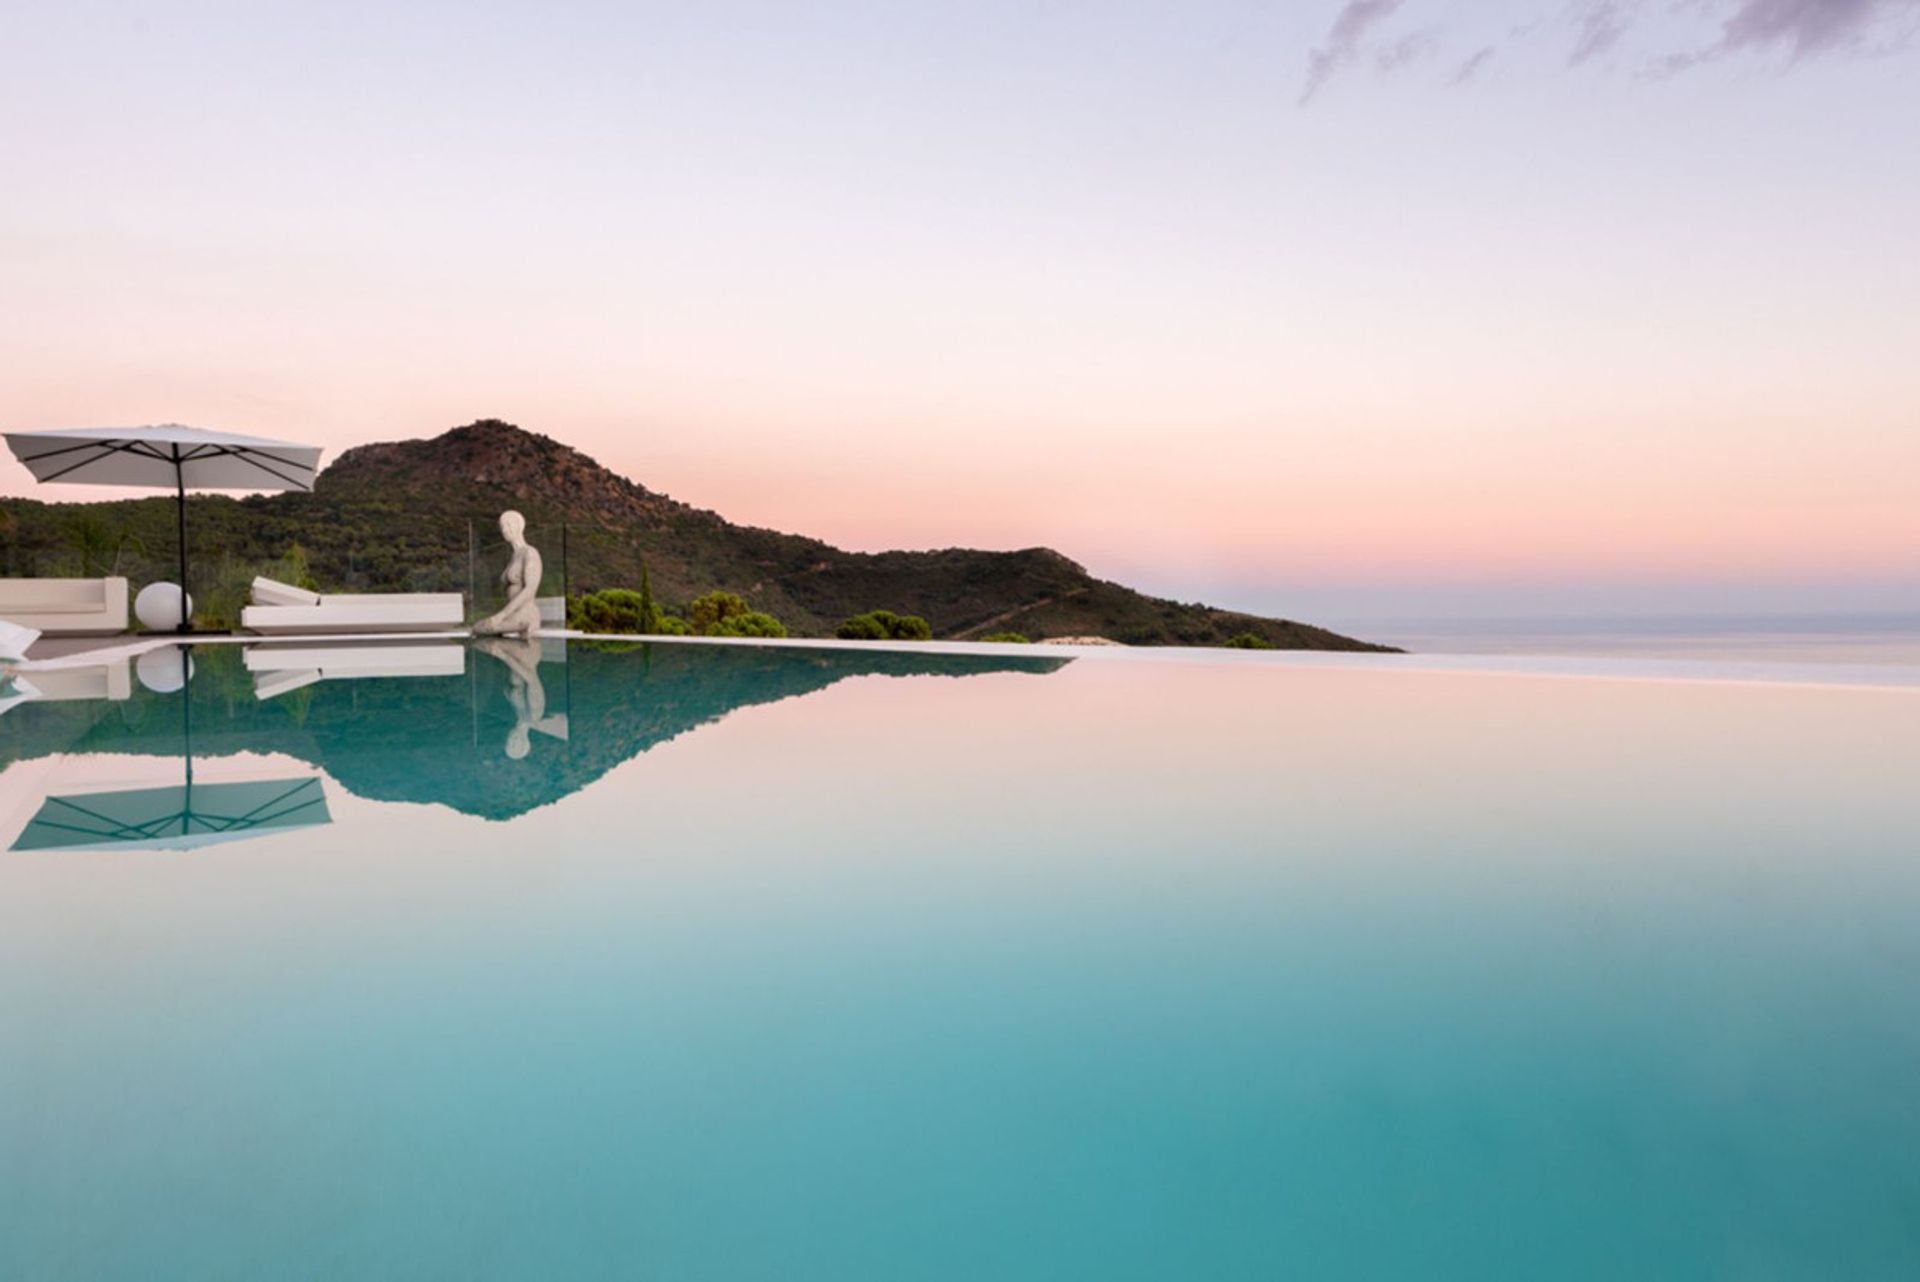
(283, 608)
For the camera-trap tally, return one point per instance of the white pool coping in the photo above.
(1901, 677)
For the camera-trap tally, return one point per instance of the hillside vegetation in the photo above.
(418, 516)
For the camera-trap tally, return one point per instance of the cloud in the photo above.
(1599, 29)
(1407, 49)
(1809, 26)
(1800, 28)
(1471, 67)
(1350, 28)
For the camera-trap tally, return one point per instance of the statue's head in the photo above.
(513, 526)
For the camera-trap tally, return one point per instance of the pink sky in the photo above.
(1085, 276)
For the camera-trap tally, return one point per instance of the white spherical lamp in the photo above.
(158, 607)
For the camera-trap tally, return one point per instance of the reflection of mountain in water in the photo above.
(486, 743)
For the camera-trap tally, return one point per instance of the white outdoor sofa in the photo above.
(66, 607)
(282, 608)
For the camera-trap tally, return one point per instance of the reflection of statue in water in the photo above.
(525, 692)
(520, 616)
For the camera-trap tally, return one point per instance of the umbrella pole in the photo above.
(180, 508)
(186, 736)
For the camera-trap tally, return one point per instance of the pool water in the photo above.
(688, 962)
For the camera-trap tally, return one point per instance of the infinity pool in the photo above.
(687, 962)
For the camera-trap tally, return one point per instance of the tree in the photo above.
(1008, 638)
(615, 610)
(622, 611)
(885, 625)
(1250, 641)
(649, 612)
(98, 545)
(296, 569)
(753, 623)
(708, 612)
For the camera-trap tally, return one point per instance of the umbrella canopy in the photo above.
(167, 456)
(184, 817)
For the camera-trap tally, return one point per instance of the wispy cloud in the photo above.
(1351, 26)
(1803, 26)
(1599, 28)
(1361, 30)
(1471, 67)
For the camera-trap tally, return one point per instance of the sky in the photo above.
(1389, 308)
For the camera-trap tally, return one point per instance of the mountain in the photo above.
(411, 514)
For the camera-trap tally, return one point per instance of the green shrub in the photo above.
(616, 610)
(1008, 638)
(727, 614)
(708, 612)
(623, 612)
(296, 569)
(862, 627)
(885, 625)
(220, 596)
(99, 545)
(1250, 641)
(751, 624)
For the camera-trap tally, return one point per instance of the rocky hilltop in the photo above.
(398, 514)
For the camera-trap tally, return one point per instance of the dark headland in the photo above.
(393, 515)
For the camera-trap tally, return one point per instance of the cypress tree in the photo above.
(649, 613)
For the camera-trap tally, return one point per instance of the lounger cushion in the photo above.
(268, 592)
(400, 612)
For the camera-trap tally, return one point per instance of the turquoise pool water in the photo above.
(691, 963)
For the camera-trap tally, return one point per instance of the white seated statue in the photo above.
(520, 616)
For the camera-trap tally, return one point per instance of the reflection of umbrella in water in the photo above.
(177, 817)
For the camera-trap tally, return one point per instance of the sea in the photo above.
(1853, 639)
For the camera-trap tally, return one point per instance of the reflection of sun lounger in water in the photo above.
(281, 607)
(278, 669)
(15, 638)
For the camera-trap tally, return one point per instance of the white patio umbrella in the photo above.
(167, 456)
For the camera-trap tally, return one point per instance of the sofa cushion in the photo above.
(268, 592)
(25, 609)
(52, 596)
